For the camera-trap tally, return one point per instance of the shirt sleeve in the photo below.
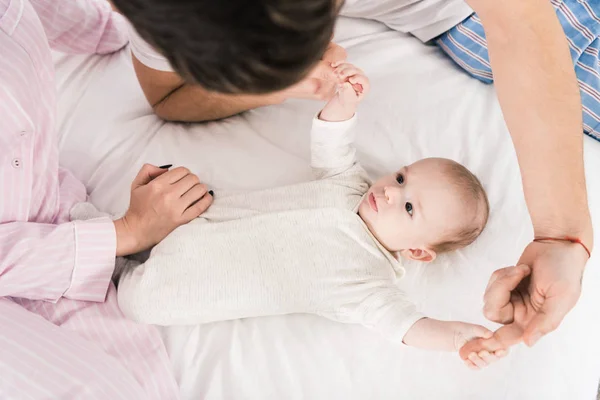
(81, 26)
(384, 309)
(46, 262)
(145, 53)
(332, 149)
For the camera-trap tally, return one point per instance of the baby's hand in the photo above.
(342, 105)
(349, 73)
(479, 352)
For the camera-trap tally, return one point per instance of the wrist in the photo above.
(580, 231)
(326, 116)
(127, 241)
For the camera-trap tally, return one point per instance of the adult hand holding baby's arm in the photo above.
(355, 86)
(322, 81)
(431, 334)
(161, 200)
(480, 352)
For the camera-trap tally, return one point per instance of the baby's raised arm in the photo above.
(332, 136)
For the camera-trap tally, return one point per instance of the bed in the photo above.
(420, 105)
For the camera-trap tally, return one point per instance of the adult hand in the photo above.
(335, 54)
(161, 200)
(532, 298)
(322, 82)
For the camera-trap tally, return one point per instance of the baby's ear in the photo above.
(423, 255)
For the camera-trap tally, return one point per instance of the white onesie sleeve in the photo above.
(385, 309)
(332, 147)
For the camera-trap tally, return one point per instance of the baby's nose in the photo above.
(392, 194)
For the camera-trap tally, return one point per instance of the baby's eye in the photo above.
(400, 179)
(409, 208)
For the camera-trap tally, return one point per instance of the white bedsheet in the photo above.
(420, 105)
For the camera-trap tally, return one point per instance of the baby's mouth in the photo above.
(373, 202)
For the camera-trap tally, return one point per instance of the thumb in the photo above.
(481, 332)
(324, 71)
(546, 320)
(147, 173)
(507, 336)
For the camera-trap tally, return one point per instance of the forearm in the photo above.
(193, 104)
(332, 147)
(538, 93)
(431, 334)
(174, 100)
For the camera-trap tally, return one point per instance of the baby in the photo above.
(330, 247)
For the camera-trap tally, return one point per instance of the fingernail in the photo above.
(534, 339)
(211, 193)
(166, 166)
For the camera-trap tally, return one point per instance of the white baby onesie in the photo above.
(295, 249)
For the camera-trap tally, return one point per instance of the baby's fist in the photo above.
(481, 352)
(354, 87)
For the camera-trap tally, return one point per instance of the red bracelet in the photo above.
(566, 239)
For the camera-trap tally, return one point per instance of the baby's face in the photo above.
(413, 208)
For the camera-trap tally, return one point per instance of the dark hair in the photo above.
(474, 195)
(236, 46)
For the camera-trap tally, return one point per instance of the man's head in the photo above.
(430, 207)
(236, 46)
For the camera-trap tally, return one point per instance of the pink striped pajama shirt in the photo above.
(62, 335)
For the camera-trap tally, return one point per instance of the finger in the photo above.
(335, 57)
(497, 274)
(335, 54)
(345, 71)
(358, 88)
(196, 209)
(501, 353)
(324, 70)
(360, 79)
(146, 174)
(325, 90)
(497, 304)
(492, 345)
(478, 361)
(184, 184)
(347, 88)
(548, 318)
(489, 358)
(194, 194)
(173, 175)
(360, 84)
(505, 337)
(482, 331)
(470, 365)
